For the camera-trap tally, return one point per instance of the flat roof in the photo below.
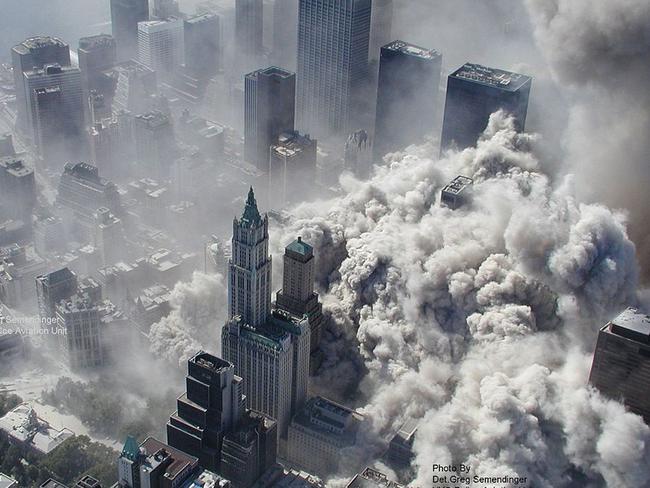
(38, 42)
(180, 460)
(458, 184)
(271, 71)
(632, 324)
(484, 75)
(411, 49)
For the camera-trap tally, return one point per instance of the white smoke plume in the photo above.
(199, 308)
(478, 322)
(598, 52)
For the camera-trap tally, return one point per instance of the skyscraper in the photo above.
(154, 144)
(249, 286)
(160, 45)
(270, 349)
(96, 55)
(292, 169)
(163, 9)
(269, 110)
(407, 95)
(125, 15)
(297, 295)
(55, 112)
(82, 344)
(212, 406)
(333, 39)
(285, 33)
(621, 365)
(31, 54)
(17, 189)
(249, 28)
(202, 45)
(53, 287)
(474, 92)
(381, 26)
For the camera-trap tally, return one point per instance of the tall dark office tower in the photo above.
(285, 33)
(125, 15)
(212, 406)
(333, 39)
(297, 295)
(250, 450)
(381, 26)
(34, 53)
(52, 288)
(56, 111)
(269, 110)
(202, 45)
(249, 289)
(407, 96)
(621, 365)
(96, 54)
(474, 92)
(249, 28)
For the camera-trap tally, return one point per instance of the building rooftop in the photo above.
(504, 80)
(7, 482)
(202, 17)
(38, 42)
(23, 424)
(181, 463)
(458, 184)
(300, 247)
(206, 479)
(251, 215)
(52, 483)
(56, 277)
(210, 362)
(292, 143)
(273, 71)
(87, 482)
(329, 419)
(412, 50)
(371, 478)
(153, 119)
(15, 166)
(96, 42)
(631, 324)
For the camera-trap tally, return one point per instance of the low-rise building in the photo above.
(320, 435)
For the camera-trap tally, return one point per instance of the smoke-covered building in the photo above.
(7, 145)
(249, 28)
(407, 96)
(285, 33)
(96, 54)
(297, 295)
(321, 436)
(31, 54)
(333, 39)
(82, 191)
(163, 9)
(400, 451)
(17, 189)
(358, 154)
(474, 92)
(55, 112)
(457, 193)
(109, 236)
(125, 16)
(202, 45)
(133, 85)
(81, 346)
(53, 287)
(160, 45)
(154, 144)
(269, 111)
(621, 364)
(381, 26)
(292, 169)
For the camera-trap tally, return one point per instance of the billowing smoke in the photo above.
(199, 309)
(479, 322)
(599, 52)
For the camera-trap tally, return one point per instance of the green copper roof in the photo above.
(251, 215)
(300, 247)
(131, 449)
